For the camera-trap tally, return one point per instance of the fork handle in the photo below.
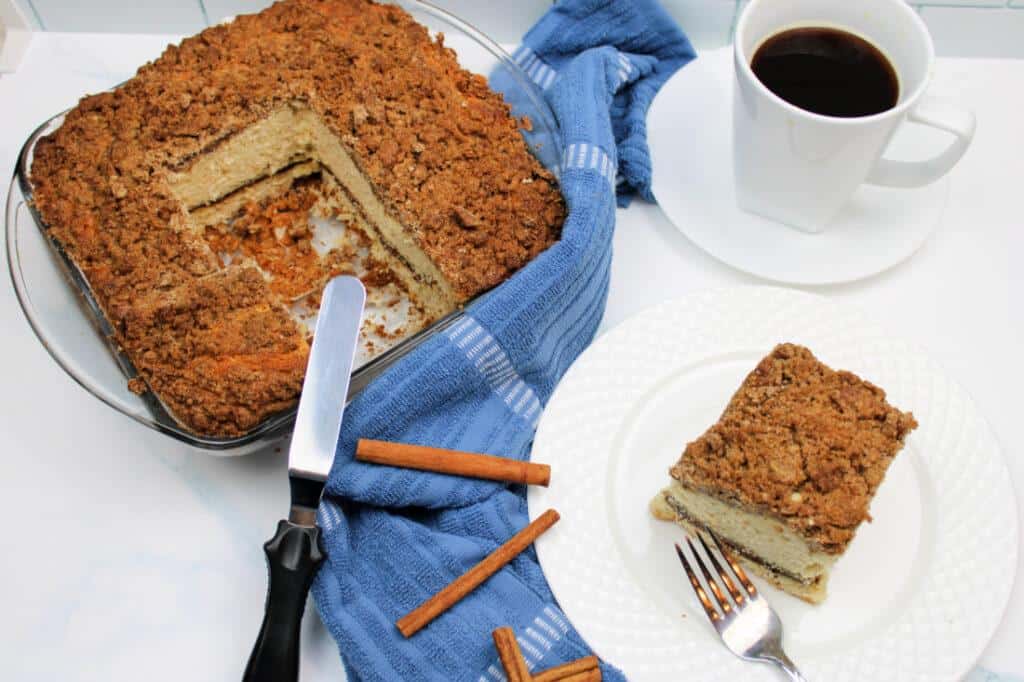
(794, 674)
(783, 661)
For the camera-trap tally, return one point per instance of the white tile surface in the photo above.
(707, 23)
(962, 28)
(218, 10)
(976, 33)
(972, 28)
(25, 8)
(961, 3)
(505, 24)
(15, 35)
(129, 16)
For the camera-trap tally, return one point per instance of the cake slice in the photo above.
(786, 475)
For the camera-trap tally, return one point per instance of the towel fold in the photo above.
(393, 537)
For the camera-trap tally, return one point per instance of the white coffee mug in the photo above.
(799, 167)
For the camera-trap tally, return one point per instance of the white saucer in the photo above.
(921, 588)
(690, 134)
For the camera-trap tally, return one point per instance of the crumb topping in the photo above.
(803, 442)
(217, 351)
(440, 149)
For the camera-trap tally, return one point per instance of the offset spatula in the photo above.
(294, 554)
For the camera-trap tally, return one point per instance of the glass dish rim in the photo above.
(159, 418)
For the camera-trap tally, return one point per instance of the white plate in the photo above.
(918, 593)
(690, 134)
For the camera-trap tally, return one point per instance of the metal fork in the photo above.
(744, 620)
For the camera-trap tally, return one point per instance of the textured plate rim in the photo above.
(572, 421)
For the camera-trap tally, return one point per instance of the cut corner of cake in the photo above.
(786, 475)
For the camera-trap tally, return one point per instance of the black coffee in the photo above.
(827, 71)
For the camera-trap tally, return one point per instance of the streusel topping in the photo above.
(800, 441)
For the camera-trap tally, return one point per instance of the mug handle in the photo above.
(936, 113)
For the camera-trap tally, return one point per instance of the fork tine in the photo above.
(702, 596)
(736, 569)
(723, 601)
(723, 574)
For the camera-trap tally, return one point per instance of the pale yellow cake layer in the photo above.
(754, 536)
(231, 205)
(259, 151)
(420, 290)
(395, 238)
(295, 135)
(813, 592)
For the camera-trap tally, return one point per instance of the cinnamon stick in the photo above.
(575, 671)
(454, 462)
(418, 618)
(592, 675)
(510, 656)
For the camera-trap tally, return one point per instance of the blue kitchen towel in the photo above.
(395, 537)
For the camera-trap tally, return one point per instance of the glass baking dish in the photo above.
(64, 314)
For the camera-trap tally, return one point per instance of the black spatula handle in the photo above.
(293, 555)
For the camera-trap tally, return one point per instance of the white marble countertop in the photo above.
(129, 557)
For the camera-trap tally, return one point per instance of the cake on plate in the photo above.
(140, 187)
(787, 474)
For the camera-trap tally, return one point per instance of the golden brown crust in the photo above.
(802, 442)
(440, 149)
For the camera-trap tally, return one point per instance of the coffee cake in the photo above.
(426, 156)
(787, 474)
